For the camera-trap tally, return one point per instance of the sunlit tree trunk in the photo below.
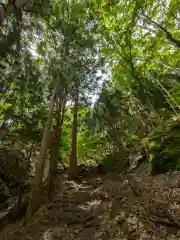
(56, 145)
(37, 181)
(73, 173)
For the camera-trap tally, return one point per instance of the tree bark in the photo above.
(53, 159)
(56, 145)
(9, 8)
(37, 181)
(73, 173)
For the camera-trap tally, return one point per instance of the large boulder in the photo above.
(163, 148)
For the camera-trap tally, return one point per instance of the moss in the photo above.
(163, 148)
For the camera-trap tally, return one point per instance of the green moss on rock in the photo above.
(163, 148)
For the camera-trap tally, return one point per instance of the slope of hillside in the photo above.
(111, 206)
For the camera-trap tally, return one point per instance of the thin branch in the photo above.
(169, 36)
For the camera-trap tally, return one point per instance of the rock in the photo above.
(136, 161)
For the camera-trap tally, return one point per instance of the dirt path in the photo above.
(133, 206)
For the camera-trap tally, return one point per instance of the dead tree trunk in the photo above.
(37, 181)
(73, 173)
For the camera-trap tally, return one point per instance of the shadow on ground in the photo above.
(111, 206)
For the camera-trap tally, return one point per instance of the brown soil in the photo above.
(125, 206)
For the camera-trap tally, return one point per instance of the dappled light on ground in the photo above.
(129, 206)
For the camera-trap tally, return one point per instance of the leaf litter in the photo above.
(132, 205)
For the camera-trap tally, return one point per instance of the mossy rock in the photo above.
(163, 148)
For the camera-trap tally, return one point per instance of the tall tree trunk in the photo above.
(9, 8)
(56, 145)
(53, 159)
(37, 181)
(73, 173)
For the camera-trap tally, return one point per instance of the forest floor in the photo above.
(111, 206)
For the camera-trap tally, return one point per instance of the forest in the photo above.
(89, 119)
